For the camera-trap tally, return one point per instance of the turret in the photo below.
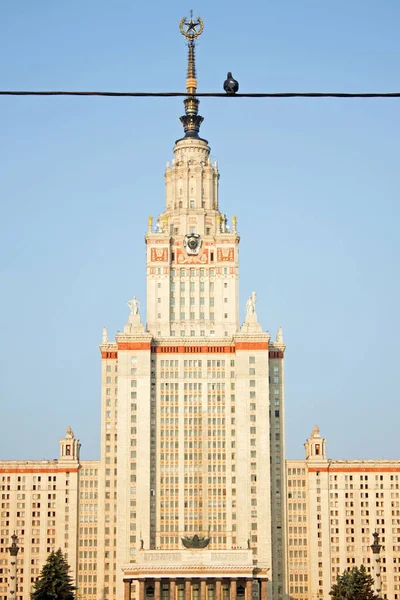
(315, 446)
(69, 446)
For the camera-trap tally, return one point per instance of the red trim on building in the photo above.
(39, 470)
(134, 346)
(109, 355)
(354, 470)
(276, 354)
(251, 345)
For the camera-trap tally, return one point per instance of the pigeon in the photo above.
(231, 86)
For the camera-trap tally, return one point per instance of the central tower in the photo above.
(192, 253)
(192, 435)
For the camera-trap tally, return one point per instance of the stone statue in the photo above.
(315, 432)
(251, 305)
(142, 544)
(134, 306)
(195, 541)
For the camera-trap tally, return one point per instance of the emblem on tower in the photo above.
(191, 29)
(192, 243)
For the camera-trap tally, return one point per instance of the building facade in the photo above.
(334, 507)
(188, 409)
(39, 502)
(191, 498)
(187, 500)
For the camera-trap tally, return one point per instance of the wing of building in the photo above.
(334, 507)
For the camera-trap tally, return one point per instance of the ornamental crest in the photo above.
(192, 243)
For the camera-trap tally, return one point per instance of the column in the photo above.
(172, 589)
(12, 576)
(264, 589)
(232, 589)
(188, 589)
(218, 589)
(127, 589)
(157, 589)
(249, 589)
(141, 589)
(202, 589)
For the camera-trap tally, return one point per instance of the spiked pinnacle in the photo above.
(191, 121)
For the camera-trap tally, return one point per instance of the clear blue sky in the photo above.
(314, 184)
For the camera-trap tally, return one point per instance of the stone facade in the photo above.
(187, 404)
(334, 507)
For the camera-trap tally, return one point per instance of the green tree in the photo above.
(54, 582)
(356, 584)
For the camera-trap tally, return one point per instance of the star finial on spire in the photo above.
(191, 120)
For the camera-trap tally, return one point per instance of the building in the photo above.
(190, 499)
(188, 412)
(39, 501)
(191, 474)
(334, 507)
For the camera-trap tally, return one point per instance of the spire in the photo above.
(191, 120)
(279, 335)
(105, 336)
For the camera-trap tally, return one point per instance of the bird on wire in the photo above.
(231, 86)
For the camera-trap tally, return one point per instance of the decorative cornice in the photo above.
(224, 571)
(252, 337)
(109, 347)
(35, 470)
(191, 348)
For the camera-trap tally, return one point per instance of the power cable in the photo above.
(202, 95)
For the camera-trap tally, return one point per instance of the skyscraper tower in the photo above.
(192, 428)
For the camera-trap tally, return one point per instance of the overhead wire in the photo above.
(200, 94)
